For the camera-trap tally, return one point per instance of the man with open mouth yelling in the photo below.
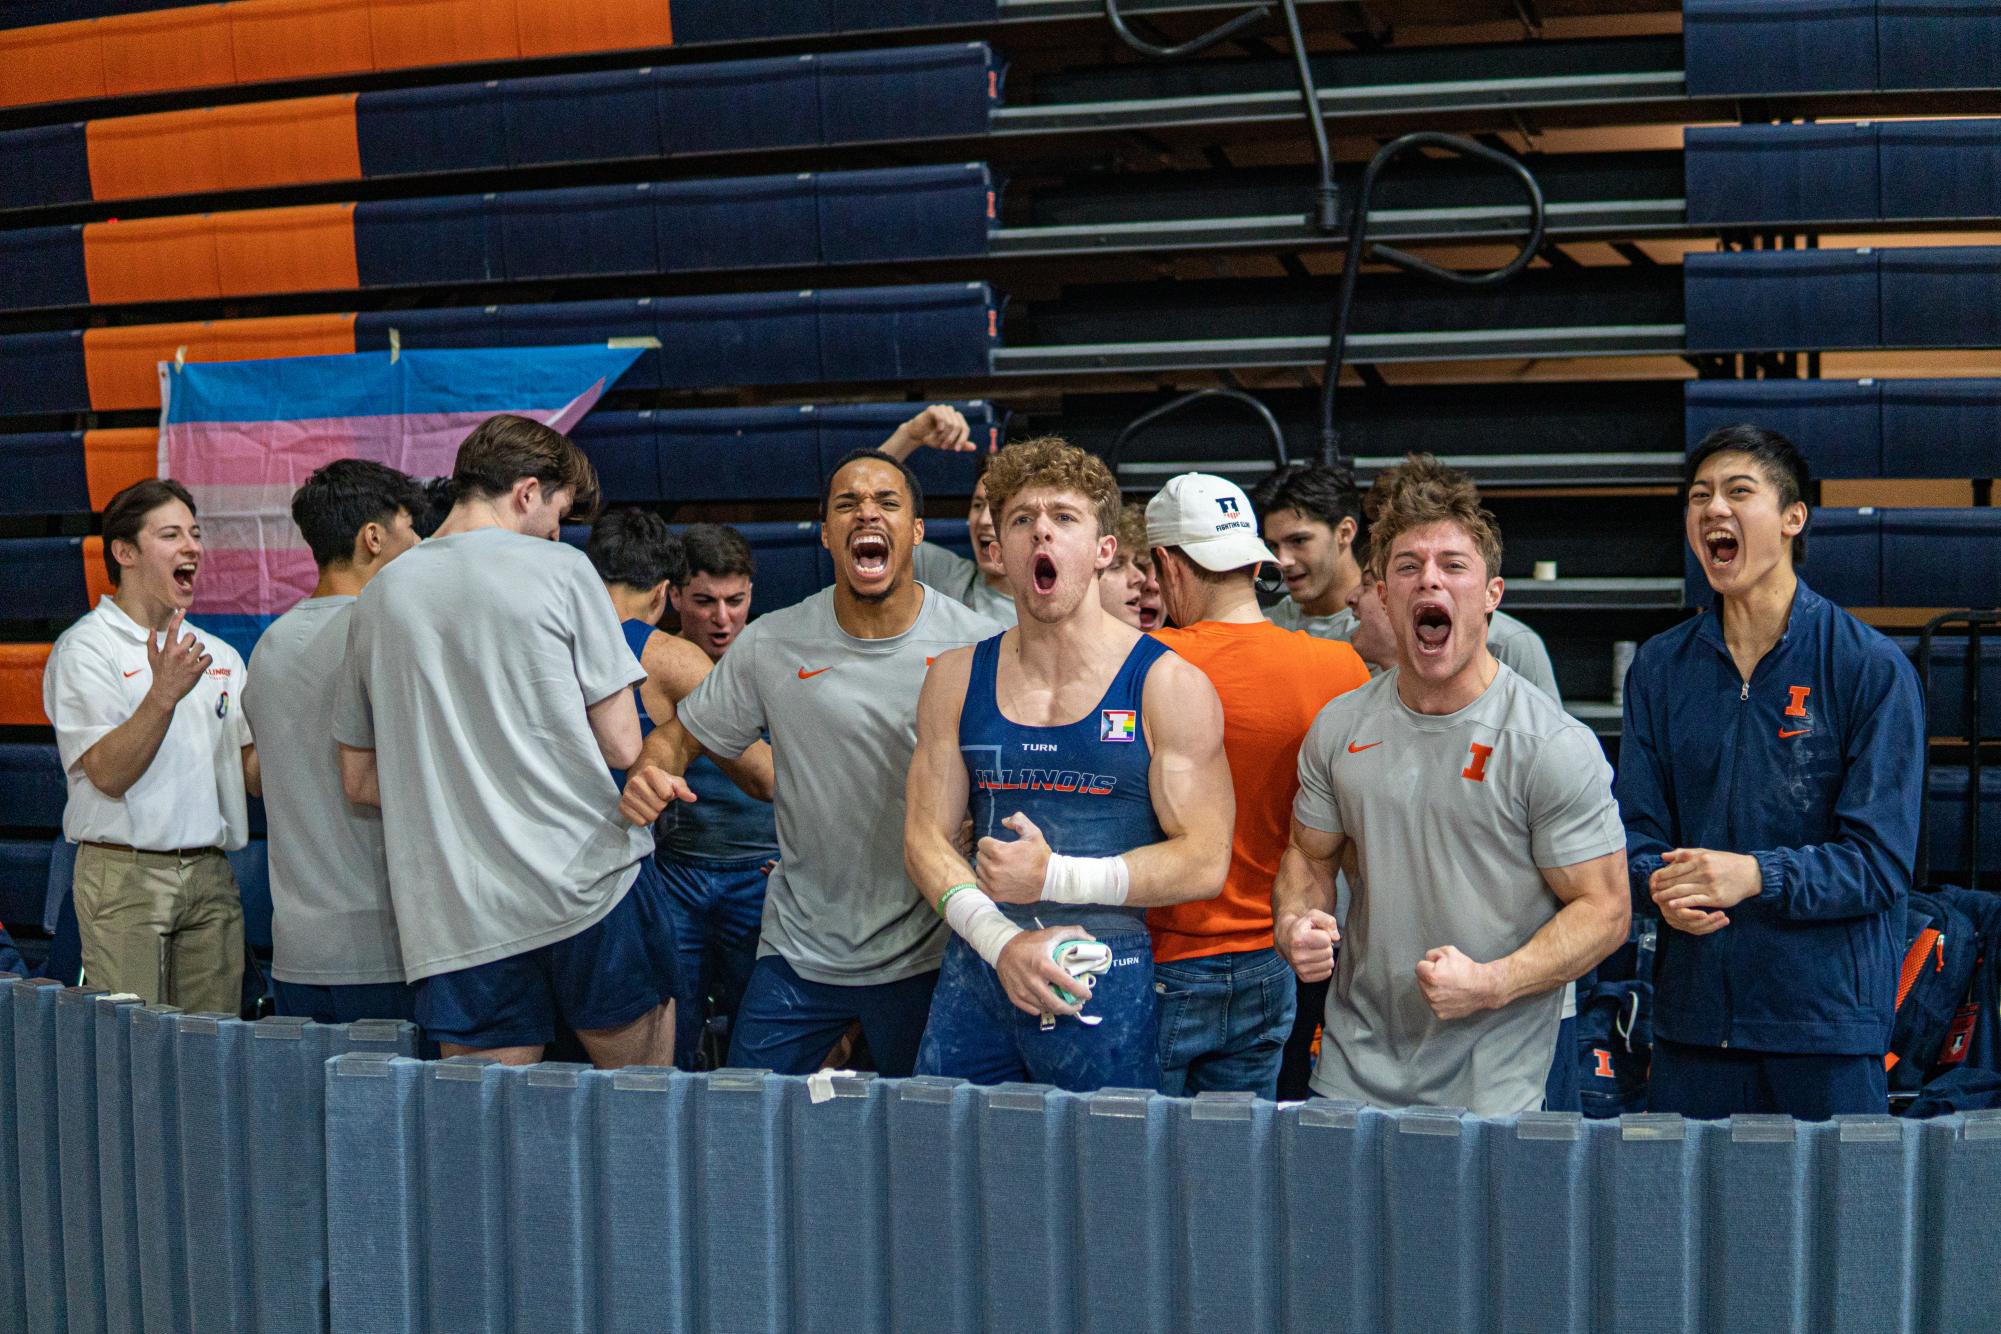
(833, 681)
(1770, 775)
(1093, 763)
(1489, 862)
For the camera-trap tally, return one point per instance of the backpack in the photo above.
(1615, 1043)
(1933, 1027)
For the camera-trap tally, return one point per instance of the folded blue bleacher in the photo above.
(739, 104)
(42, 372)
(1940, 168)
(45, 473)
(438, 326)
(1779, 46)
(1940, 428)
(624, 449)
(1845, 561)
(38, 1132)
(1781, 300)
(34, 13)
(943, 330)
(791, 564)
(707, 454)
(599, 229)
(42, 578)
(417, 131)
(407, 242)
(861, 15)
(845, 427)
(739, 339)
(1942, 557)
(1945, 819)
(1945, 707)
(1834, 422)
(597, 117)
(929, 91)
(733, 21)
(42, 266)
(1779, 173)
(740, 223)
(24, 873)
(43, 165)
(906, 213)
(1938, 44)
(32, 790)
(1942, 296)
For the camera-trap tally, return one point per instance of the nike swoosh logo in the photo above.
(1354, 749)
(805, 675)
(929, 661)
(1784, 734)
(134, 672)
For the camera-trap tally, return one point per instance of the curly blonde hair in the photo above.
(1054, 463)
(1132, 536)
(1421, 491)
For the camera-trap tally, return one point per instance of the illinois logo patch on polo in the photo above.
(1117, 724)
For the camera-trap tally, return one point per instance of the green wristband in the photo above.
(946, 897)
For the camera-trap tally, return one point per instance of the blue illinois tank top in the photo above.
(1084, 784)
(636, 635)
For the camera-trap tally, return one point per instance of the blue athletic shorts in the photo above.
(603, 977)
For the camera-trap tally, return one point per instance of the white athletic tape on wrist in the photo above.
(1086, 880)
(973, 915)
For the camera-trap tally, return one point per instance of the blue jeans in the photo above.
(788, 1024)
(716, 908)
(976, 1033)
(1224, 1020)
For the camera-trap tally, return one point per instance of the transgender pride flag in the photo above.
(242, 435)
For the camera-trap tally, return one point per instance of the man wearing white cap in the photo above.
(1226, 997)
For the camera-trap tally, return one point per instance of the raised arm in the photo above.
(940, 426)
(122, 755)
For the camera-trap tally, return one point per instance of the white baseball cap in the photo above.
(1209, 518)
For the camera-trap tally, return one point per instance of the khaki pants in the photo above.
(166, 927)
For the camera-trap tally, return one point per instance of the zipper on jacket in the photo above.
(1745, 693)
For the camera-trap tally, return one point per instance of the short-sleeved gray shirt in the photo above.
(331, 920)
(1508, 639)
(1453, 818)
(842, 715)
(470, 664)
(961, 580)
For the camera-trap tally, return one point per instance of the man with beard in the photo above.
(833, 681)
(1101, 753)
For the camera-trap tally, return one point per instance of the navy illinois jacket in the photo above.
(1816, 767)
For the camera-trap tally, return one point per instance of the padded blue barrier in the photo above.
(13, 1285)
(743, 1250)
(36, 1128)
(24, 874)
(209, 1063)
(551, 1167)
(862, 15)
(1124, 1149)
(1847, 557)
(791, 565)
(284, 1131)
(1959, 1246)
(32, 791)
(1028, 1158)
(77, 1131)
(465, 1240)
(752, 338)
(600, 116)
(599, 229)
(1645, 1165)
(1435, 1232)
(1868, 1234)
(1330, 1212)
(442, 326)
(46, 474)
(161, 1232)
(375, 1193)
(905, 333)
(34, 13)
(1945, 818)
(623, 448)
(409, 242)
(736, 224)
(117, 1185)
(738, 454)
(1945, 709)
(1941, 558)
(42, 372)
(1944, 296)
(906, 213)
(935, 1247)
(1759, 1207)
(846, 427)
(1940, 168)
(558, 323)
(1779, 46)
(42, 578)
(1539, 1175)
(739, 104)
(42, 266)
(932, 91)
(1779, 173)
(733, 21)
(646, 1274)
(1227, 1268)
(43, 165)
(1938, 44)
(1940, 428)
(1781, 300)
(839, 1176)
(419, 131)
(1836, 423)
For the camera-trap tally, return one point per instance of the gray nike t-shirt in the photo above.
(470, 663)
(1453, 818)
(331, 920)
(842, 715)
(960, 579)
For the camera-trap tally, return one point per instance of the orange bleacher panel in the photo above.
(96, 580)
(410, 34)
(563, 27)
(151, 259)
(304, 249)
(167, 49)
(121, 364)
(57, 62)
(113, 460)
(258, 144)
(165, 153)
(21, 684)
(300, 39)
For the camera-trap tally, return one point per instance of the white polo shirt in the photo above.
(96, 678)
